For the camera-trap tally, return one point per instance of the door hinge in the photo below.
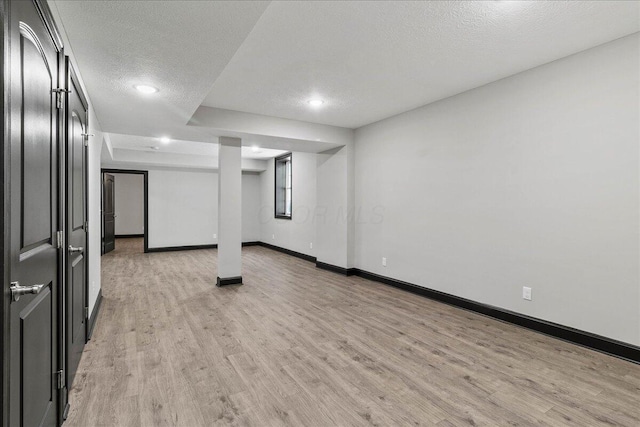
(86, 312)
(59, 92)
(86, 226)
(86, 138)
(59, 379)
(59, 238)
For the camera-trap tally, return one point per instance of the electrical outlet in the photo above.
(526, 293)
(310, 245)
(273, 236)
(384, 261)
(215, 236)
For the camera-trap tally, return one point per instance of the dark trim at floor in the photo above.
(255, 243)
(336, 269)
(94, 315)
(182, 248)
(127, 236)
(289, 252)
(193, 247)
(229, 281)
(575, 336)
(586, 339)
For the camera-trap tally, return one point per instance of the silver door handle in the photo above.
(73, 250)
(17, 290)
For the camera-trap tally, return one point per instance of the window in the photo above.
(283, 187)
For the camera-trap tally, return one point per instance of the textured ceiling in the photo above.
(371, 60)
(180, 47)
(368, 60)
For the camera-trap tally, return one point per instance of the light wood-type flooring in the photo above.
(300, 346)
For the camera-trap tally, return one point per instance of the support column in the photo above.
(229, 212)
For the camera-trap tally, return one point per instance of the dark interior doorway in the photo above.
(109, 190)
(108, 213)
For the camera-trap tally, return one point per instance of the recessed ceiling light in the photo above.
(315, 102)
(165, 140)
(256, 149)
(146, 89)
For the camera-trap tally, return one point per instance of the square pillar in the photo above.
(229, 212)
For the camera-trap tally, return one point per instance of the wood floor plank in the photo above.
(299, 346)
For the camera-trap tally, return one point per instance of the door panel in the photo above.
(33, 204)
(108, 208)
(36, 145)
(77, 313)
(77, 163)
(76, 268)
(37, 340)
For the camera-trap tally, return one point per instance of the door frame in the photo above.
(5, 221)
(71, 75)
(72, 83)
(145, 174)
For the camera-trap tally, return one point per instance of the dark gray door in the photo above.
(33, 253)
(76, 213)
(108, 213)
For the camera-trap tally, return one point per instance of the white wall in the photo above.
(335, 212)
(183, 207)
(94, 184)
(529, 181)
(129, 203)
(298, 233)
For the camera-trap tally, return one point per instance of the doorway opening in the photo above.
(125, 216)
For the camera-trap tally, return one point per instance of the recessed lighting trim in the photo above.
(146, 89)
(256, 149)
(315, 102)
(165, 140)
